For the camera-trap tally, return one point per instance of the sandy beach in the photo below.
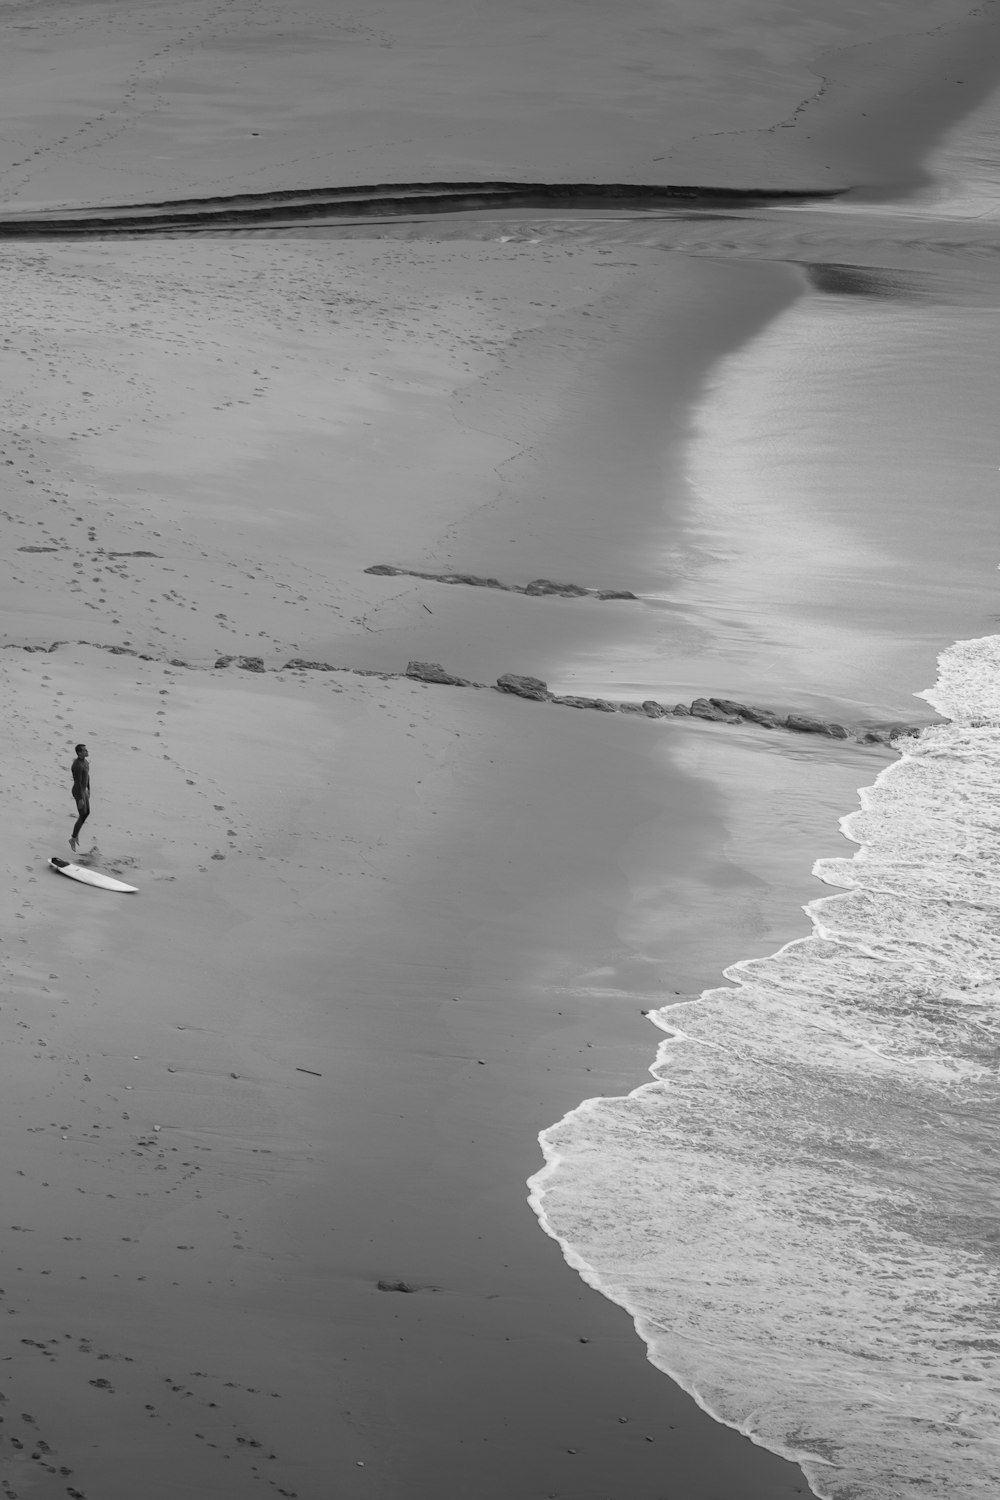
(267, 1227)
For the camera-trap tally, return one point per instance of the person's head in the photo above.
(81, 750)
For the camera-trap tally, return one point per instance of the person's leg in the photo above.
(84, 810)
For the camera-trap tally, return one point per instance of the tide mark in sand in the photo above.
(385, 201)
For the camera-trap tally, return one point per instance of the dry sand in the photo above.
(119, 101)
(385, 932)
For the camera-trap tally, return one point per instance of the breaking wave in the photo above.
(802, 1212)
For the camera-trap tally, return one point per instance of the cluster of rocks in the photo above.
(720, 710)
(299, 664)
(248, 663)
(100, 550)
(432, 671)
(96, 646)
(537, 587)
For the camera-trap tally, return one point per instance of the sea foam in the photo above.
(803, 1211)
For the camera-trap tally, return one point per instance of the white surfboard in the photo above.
(89, 877)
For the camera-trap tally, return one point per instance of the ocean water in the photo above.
(802, 1211)
(819, 565)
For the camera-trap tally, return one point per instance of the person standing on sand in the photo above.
(81, 792)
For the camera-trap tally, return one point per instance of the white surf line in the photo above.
(958, 697)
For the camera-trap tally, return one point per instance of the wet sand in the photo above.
(200, 1207)
(403, 889)
(386, 932)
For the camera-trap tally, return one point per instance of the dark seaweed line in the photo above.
(309, 205)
